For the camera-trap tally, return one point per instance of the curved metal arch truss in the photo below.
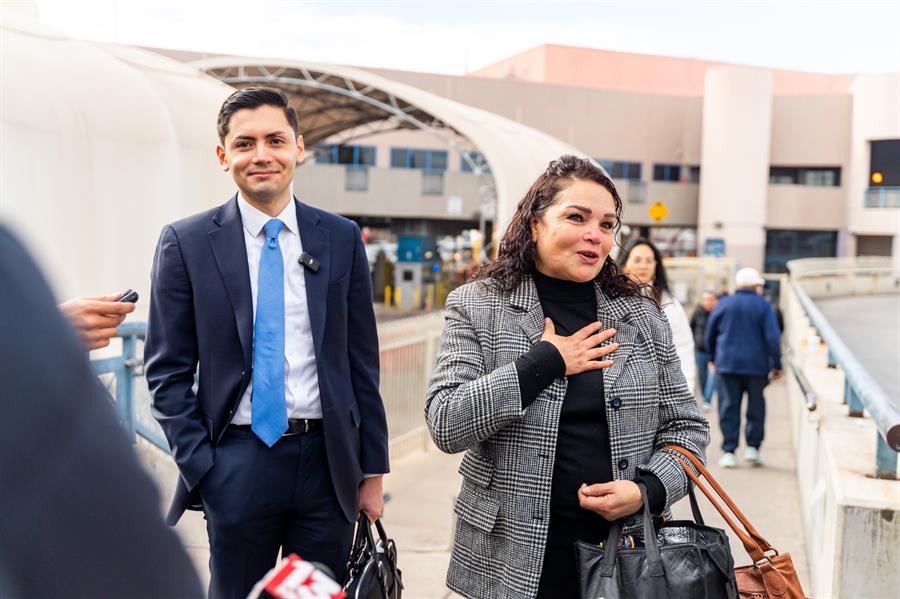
(358, 110)
(342, 103)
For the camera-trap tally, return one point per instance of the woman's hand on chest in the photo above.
(581, 351)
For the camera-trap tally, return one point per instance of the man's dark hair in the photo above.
(254, 97)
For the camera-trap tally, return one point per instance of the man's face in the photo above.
(709, 301)
(261, 153)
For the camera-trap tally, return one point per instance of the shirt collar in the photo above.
(254, 219)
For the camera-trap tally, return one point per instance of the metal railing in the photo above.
(128, 386)
(861, 392)
(407, 351)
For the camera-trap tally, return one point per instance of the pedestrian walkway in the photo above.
(419, 513)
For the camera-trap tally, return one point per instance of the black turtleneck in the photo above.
(583, 453)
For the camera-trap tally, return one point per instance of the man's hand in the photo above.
(371, 497)
(612, 500)
(777, 374)
(96, 318)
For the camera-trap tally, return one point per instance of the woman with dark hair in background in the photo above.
(561, 383)
(642, 261)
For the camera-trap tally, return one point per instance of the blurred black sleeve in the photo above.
(537, 368)
(78, 516)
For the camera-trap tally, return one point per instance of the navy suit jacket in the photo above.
(201, 313)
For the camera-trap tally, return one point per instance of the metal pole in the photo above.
(885, 460)
(125, 385)
(852, 400)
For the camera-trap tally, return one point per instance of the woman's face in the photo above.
(641, 264)
(575, 235)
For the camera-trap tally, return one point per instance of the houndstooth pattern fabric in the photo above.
(473, 405)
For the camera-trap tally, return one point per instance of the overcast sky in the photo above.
(456, 37)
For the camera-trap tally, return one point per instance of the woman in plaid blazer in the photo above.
(538, 404)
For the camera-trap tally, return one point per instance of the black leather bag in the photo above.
(372, 571)
(680, 560)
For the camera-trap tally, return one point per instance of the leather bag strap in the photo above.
(753, 542)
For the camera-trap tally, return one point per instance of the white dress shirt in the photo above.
(301, 381)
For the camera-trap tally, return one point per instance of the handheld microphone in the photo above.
(294, 578)
(309, 262)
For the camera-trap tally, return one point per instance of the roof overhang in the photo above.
(335, 99)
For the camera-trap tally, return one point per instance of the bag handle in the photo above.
(651, 543)
(695, 507)
(753, 542)
(388, 558)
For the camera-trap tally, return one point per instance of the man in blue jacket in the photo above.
(742, 336)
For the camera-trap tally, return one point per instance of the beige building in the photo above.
(764, 164)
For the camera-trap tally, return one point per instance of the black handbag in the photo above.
(372, 571)
(680, 560)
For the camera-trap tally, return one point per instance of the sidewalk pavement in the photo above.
(419, 513)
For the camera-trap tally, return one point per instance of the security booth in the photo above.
(414, 273)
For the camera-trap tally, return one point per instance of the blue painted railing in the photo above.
(861, 391)
(125, 368)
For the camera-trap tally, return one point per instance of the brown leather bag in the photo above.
(772, 574)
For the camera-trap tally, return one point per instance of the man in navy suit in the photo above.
(285, 438)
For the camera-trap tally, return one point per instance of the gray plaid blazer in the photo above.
(473, 405)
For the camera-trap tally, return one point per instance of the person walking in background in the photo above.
(705, 375)
(743, 339)
(642, 261)
(561, 383)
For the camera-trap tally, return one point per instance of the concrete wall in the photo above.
(391, 193)
(737, 121)
(681, 200)
(606, 124)
(102, 145)
(852, 520)
(811, 130)
(805, 207)
(875, 116)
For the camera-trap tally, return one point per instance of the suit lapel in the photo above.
(525, 299)
(610, 314)
(316, 241)
(227, 242)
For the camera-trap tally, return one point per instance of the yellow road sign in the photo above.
(658, 211)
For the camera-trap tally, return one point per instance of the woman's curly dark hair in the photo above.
(516, 255)
(660, 283)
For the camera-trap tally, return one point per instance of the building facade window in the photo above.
(824, 176)
(345, 154)
(785, 244)
(622, 169)
(478, 159)
(884, 163)
(667, 172)
(693, 174)
(433, 160)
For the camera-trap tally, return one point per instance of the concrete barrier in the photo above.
(851, 519)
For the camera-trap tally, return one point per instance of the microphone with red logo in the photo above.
(294, 578)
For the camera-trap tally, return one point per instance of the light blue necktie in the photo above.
(268, 410)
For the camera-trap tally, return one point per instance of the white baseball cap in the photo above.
(748, 277)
